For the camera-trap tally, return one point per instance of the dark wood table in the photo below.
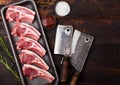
(100, 18)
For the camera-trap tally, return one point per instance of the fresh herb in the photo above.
(9, 67)
(3, 44)
(4, 61)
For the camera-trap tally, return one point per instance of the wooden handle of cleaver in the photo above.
(64, 70)
(74, 78)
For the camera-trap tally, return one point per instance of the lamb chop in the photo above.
(20, 13)
(33, 72)
(29, 57)
(25, 43)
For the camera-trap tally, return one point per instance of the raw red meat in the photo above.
(29, 57)
(33, 71)
(20, 13)
(25, 30)
(26, 43)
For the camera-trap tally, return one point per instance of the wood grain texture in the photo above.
(100, 18)
(95, 9)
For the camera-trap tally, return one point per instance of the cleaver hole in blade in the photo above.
(86, 39)
(67, 31)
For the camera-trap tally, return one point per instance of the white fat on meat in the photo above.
(20, 13)
(32, 72)
(25, 30)
(25, 43)
(29, 57)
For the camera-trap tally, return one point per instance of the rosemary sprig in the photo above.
(4, 61)
(9, 67)
(3, 44)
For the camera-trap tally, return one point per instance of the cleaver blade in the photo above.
(63, 40)
(80, 49)
(63, 43)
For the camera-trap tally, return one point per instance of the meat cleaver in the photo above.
(63, 43)
(81, 44)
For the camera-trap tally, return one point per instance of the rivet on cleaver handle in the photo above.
(63, 43)
(84, 42)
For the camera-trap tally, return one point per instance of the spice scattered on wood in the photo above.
(45, 3)
(3, 2)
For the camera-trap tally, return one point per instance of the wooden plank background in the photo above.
(100, 18)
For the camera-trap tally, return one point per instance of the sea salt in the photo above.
(62, 8)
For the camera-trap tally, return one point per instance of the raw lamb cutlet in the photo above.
(25, 30)
(33, 71)
(20, 13)
(29, 57)
(26, 43)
